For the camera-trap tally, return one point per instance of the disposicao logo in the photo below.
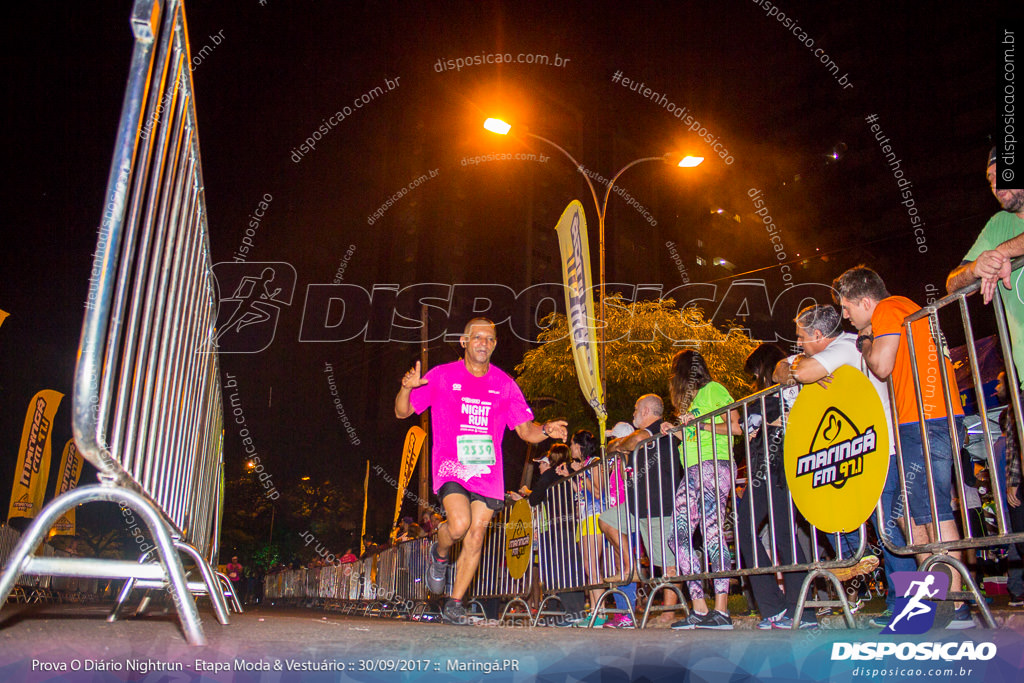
(914, 612)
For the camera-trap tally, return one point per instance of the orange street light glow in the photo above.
(690, 162)
(497, 126)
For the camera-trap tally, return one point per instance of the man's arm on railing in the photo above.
(991, 266)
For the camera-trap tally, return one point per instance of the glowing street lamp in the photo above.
(502, 128)
(497, 126)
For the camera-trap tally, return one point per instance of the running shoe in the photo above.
(856, 604)
(716, 620)
(766, 624)
(620, 621)
(961, 618)
(454, 613)
(584, 620)
(690, 622)
(436, 575)
(1016, 601)
(785, 623)
(882, 620)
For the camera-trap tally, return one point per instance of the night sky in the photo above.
(275, 71)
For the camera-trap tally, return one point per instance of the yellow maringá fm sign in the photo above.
(837, 451)
(519, 539)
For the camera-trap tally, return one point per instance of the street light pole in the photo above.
(502, 128)
(602, 210)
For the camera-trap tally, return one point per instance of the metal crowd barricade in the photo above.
(9, 538)
(147, 401)
(943, 545)
(668, 531)
(493, 580)
(409, 584)
(48, 588)
(573, 553)
(571, 556)
(273, 586)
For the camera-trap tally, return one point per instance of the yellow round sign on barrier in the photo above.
(837, 451)
(519, 539)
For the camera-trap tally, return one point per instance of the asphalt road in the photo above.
(75, 643)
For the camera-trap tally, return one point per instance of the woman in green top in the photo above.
(703, 493)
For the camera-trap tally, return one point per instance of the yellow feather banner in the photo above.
(70, 472)
(33, 469)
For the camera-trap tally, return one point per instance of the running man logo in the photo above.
(914, 612)
(248, 316)
(831, 461)
(518, 538)
(837, 451)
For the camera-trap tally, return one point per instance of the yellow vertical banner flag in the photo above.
(579, 305)
(70, 472)
(3, 316)
(366, 488)
(410, 454)
(33, 468)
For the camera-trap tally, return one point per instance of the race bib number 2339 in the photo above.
(475, 449)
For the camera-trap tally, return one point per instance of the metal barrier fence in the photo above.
(350, 585)
(45, 588)
(679, 487)
(941, 441)
(577, 549)
(147, 401)
(663, 505)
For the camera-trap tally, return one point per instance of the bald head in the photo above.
(479, 339)
(648, 409)
(476, 322)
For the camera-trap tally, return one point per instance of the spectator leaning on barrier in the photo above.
(369, 547)
(548, 463)
(617, 468)
(591, 502)
(653, 484)
(767, 478)
(1011, 447)
(1000, 241)
(557, 455)
(825, 348)
(472, 403)
(879, 318)
(565, 564)
(705, 486)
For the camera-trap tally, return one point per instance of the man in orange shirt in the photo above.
(878, 318)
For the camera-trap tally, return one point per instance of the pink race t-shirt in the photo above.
(469, 415)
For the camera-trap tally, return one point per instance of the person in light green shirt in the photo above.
(705, 445)
(989, 260)
(704, 491)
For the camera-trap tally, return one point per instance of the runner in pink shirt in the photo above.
(472, 404)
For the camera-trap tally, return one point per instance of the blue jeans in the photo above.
(942, 467)
(630, 591)
(891, 562)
